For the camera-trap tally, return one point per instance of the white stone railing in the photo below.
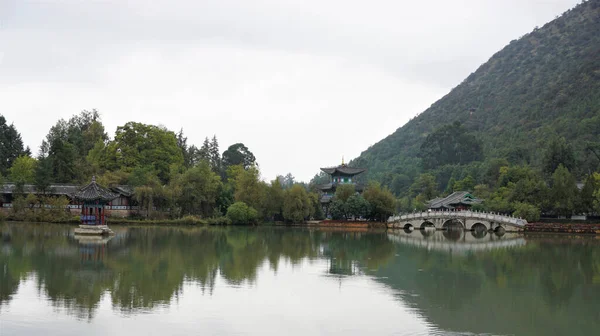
(468, 214)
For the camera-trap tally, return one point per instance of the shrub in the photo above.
(530, 212)
(240, 213)
(220, 220)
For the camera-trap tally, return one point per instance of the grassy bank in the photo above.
(187, 220)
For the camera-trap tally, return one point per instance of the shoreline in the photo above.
(537, 227)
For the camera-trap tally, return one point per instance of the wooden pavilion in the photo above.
(94, 199)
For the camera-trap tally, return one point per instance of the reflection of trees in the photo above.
(538, 289)
(144, 267)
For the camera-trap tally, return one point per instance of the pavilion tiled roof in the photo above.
(54, 189)
(343, 169)
(456, 198)
(94, 192)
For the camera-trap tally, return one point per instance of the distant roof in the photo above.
(54, 189)
(454, 199)
(94, 192)
(62, 189)
(343, 169)
(122, 189)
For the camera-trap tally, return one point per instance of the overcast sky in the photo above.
(300, 82)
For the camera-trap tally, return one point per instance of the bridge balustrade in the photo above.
(468, 214)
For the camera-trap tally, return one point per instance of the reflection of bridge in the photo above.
(468, 220)
(456, 241)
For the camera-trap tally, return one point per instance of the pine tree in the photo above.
(215, 155)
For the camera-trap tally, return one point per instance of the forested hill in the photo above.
(545, 84)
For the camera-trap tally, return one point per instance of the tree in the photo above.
(198, 190)
(11, 145)
(238, 154)
(287, 181)
(68, 143)
(275, 196)
(316, 209)
(248, 187)
(43, 175)
(296, 204)
(559, 152)
(241, 213)
(344, 191)
(337, 209)
(527, 211)
(204, 153)
(585, 203)
(357, 206)
(138, 144)
(564, 191)
(466, 184)
(214, 155)
(382, 202)
(23, 170)
(424, 186)
(450, 144)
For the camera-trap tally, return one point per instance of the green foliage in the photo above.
(140, 145)
(11, 144)
(559, 152)
(382, 202)
(344, 191)
(296, 204)
(564, 191)
(275, 194)
(68, 143)
(240, 213)
(196, 190)
(466, 184)
(585, 201)
(23, 170)
(316, 207)
(527, 211)
(238, 154)
(337, 209)
(450, 144)
(532, 94)
(43, 175)
(357, 206)
(248, 187)
(32, 208)
(424, 187)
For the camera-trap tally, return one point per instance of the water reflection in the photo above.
(458, 281)
(456, 240)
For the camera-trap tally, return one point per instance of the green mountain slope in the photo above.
(543, 85)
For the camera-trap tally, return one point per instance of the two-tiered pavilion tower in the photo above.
(342, 174)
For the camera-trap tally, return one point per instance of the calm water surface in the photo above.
(285, 281)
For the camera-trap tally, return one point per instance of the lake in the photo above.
(295, 281)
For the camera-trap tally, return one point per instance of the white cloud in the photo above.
(301, 83)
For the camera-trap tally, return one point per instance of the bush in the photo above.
(240, 213)
(220, 220)
(2, 216)
(527, 211)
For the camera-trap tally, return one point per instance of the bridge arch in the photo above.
(427, 224)
(452, 224)
(408, 226)
(479, 230)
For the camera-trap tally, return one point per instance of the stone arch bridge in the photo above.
(468, 220)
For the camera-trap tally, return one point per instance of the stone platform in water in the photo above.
(98, 230)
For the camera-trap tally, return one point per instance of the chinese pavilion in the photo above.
(342, 174)
(94, 199)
